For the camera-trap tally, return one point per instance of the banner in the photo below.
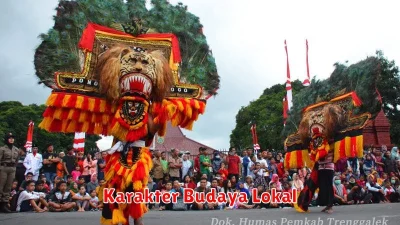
(79, 141)
(29, 137)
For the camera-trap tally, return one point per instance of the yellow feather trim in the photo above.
(137, 185)
(360, 144)
(79, 102)
(105, 221)
(118, 217)
(52, 98)
(91, 104)
(66, 100)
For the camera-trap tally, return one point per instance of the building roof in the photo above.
(174, 138)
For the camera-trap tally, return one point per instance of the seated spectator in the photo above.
(81, 182)
(202, 189)
(168, 188)
(297, 183)
(76, 173)
(161, 185)
(40, 187)
(28, 177)
(69, 180)
(46, 183)
(55, 182)
(14, 188)
(275, 180)
(93, 184)
(390, 194)
(249, 183)
(227, 187)
(82, 199)
(204, 176)
(259, 176)
(101, 183)
(29, 200)
(188, 182)
(232, 179)
(260, 190)
(376, 190)
(239, 205)
(73, 188)
(340, 192)
(361, 181)
(288, 189)
(94, 201)
(368, 165)
(61, 200)
(273, 186)
(358, 194)
(242, 189)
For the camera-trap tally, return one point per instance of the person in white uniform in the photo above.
(33, 162)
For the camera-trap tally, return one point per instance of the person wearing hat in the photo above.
(9, 155)
(33, 162)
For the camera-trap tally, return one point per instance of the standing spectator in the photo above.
(76, 173)
(20, 172)
(280, 168)
(9, 155)
(174, 164)
(29, 200)
(89, 167)
(186, 166)
(101, 164)
(262, 160)
(245, 164)
(216, 162)
(390, 165)
(61, 200)
(259, 179)
(50, 160)
(69, 161)
(93, 184)
(233, 164)
(60, 166)
(164, 162)
(395, 154)
(205, 163)
(158, 171)
(377, 156)
(33, 163)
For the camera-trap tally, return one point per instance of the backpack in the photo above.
(14, 201)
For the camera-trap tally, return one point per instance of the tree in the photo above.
(267, 113)
(15, 118)
(59, 52)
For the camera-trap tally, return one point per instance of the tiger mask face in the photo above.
(124, 71)
(325, 121)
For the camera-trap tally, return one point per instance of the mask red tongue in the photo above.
(315, 130)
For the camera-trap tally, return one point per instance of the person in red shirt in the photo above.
(223, 171)
(188, 182)
(233, 163)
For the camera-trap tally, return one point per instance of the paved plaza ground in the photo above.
(375, 214)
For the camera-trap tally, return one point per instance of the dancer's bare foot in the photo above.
(138, 221)
(328, 210)
(324, 210)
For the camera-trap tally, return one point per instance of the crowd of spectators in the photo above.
(60, 182)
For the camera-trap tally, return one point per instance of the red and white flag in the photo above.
(29, 137)
(307, 81)
(285, 110)
(79, 141)
(288, 81)
(255, 139)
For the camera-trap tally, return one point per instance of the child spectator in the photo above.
(390, 194)
(61, 200)
(188, 182)
(223, 171)
(82, 199)
(368, 164)
(376, 190)
(249, 183)
(46, 183)
(94, 201)
(81, 182)
(260, 190)
(166, 206)
(70, 180)
(40, 187)
(29, 200)
(28, 177)
(259, 176)
(76, 173)
(275, 180)
(208, 183)
(14, 188)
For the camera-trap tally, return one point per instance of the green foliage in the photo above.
(267, 113)
(15, 118)
(59, 52)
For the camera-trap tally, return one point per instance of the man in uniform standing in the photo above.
(8, 161)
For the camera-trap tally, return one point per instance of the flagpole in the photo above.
(307, 81)
(288, 81)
